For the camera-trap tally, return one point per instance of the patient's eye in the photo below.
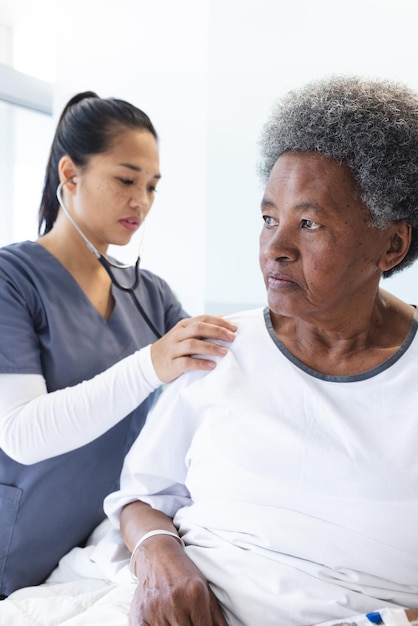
(310, 224)
(269, 221)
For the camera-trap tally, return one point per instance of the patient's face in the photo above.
(317, 249)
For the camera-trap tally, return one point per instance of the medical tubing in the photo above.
(107, 266)
(145, 316)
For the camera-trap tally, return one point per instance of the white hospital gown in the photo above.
(296, 493)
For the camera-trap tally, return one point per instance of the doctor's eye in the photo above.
(126, 181)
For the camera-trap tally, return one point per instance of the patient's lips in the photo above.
(278, 280)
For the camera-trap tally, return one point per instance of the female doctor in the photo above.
(80, 357)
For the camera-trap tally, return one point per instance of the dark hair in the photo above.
(370, 125)
(87, 126)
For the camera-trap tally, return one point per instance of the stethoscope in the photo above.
(108, 265)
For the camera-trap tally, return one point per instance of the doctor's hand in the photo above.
(171, 590)
(172, 354)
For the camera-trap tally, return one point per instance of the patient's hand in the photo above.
(412, 614)
(171, 591)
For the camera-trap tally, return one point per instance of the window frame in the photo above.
(26, 91)
(23, 91)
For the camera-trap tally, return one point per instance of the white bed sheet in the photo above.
(92, 586)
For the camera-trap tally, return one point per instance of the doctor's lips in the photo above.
(131, 223)
(277, 280)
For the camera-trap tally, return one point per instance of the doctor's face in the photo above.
(115, 191)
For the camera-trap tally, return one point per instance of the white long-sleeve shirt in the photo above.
(36, 425)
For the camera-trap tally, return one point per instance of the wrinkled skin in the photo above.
(171, 591)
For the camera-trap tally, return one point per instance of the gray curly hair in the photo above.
(370, 125)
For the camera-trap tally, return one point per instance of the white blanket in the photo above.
(78, 603)
(92, 587)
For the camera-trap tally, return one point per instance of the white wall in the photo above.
(155, 55)
(259, 49)
(207, 72)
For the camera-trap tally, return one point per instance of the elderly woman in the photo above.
(291, 470)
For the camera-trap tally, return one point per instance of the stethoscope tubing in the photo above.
(108, 265)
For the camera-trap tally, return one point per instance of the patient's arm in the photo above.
(171, 590)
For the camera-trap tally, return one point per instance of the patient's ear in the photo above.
(398, 245)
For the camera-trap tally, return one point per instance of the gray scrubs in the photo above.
(49, 327)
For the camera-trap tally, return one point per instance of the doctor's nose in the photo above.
(142, 200)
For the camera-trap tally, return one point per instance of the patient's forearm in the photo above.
(138, 518)
(170, 590)
(136, 521)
